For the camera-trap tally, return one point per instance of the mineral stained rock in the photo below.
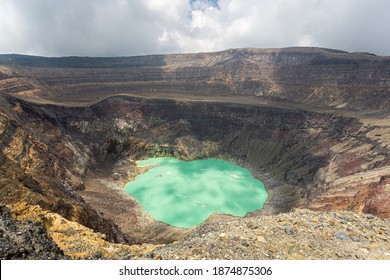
(25, 239)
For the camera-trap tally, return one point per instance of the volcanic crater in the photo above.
(312, 124)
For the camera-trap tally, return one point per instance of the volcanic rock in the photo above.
(312, 124)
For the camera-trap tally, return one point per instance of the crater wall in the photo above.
(295, 152)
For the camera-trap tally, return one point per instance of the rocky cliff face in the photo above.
(290, 116)
(41, 165)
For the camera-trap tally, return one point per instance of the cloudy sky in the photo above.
(134, 27)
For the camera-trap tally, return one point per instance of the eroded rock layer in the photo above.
(318, 77)
(70, 129)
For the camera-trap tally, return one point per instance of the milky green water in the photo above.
(184, 194)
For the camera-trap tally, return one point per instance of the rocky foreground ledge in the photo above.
(300, 234)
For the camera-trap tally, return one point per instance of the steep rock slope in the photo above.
(41, 165)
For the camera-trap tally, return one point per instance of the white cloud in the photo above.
(130, 27)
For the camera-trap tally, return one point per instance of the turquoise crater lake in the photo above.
(185, 193)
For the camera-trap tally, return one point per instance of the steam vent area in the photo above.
(302, 137)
